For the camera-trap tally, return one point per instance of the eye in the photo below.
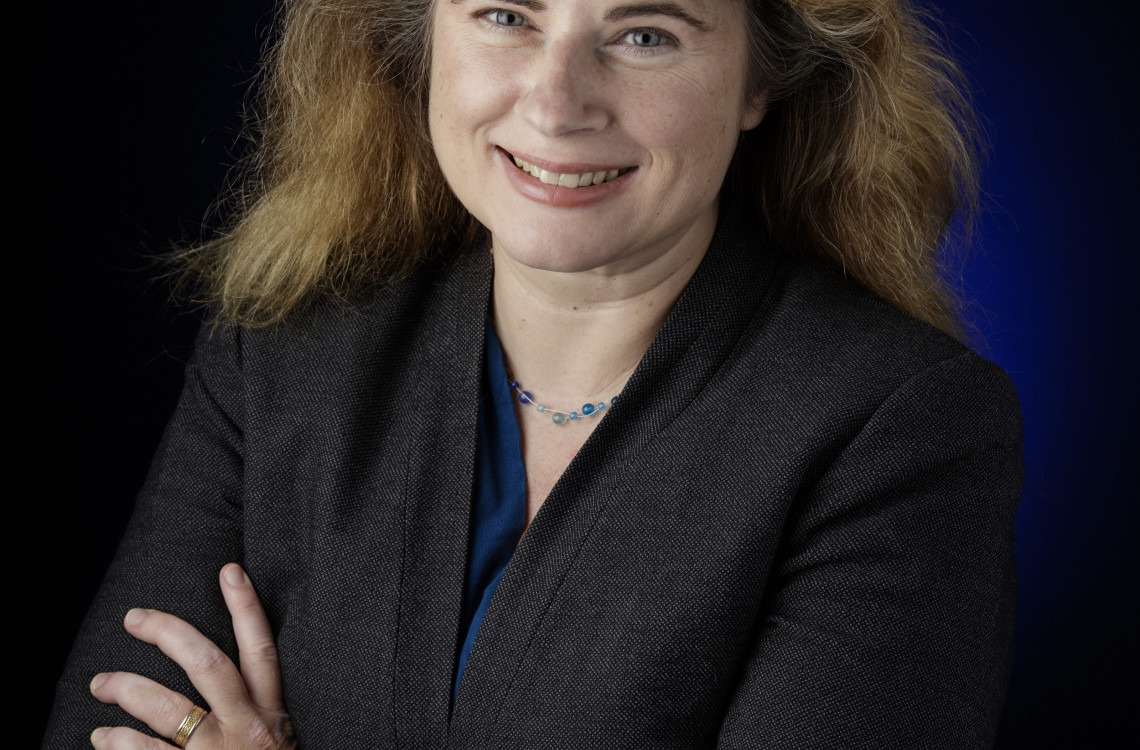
(505, 17)
(646, 38)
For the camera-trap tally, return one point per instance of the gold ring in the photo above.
(189, 724)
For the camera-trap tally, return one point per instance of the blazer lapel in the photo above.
(438, 500)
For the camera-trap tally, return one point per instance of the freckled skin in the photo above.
(568, 87)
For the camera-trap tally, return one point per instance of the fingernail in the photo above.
(98, 680)
(99, 734)
(134, 617)
(235, 576)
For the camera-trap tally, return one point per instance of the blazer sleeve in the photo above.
(888, 621)
(186, 524)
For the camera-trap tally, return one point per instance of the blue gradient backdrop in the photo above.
(131, 110)
(1057, 277)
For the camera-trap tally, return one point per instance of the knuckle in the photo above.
(167, 707)
(159, 625)
(208, 658)
(261, 736)
(248, 605)
(265, 651)
(131, 689)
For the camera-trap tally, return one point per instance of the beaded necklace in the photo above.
(556, 416)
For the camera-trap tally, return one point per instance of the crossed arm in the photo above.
(247, 705)
(890, 616)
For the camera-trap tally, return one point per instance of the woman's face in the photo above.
(628, 110)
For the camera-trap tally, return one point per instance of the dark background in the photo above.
(131, 113)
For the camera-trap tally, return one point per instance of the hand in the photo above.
(247, 708)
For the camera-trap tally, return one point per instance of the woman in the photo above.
(470, 227)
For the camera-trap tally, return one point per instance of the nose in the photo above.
(562, 93)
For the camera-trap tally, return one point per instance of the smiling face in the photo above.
(590, 134)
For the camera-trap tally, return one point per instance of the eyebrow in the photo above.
(622, 12)
(672, 10)
(529, 4)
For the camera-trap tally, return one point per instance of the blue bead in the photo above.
(541, 407)
(559, 418)
(587, 409)
(573, 415)
(601, 405)
(613, 400)
(514, 384)
(526, 397)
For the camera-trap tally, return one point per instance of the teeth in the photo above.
(566, 180)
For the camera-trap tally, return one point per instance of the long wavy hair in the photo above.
(867, 159)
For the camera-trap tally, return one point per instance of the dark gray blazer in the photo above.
(795, 529)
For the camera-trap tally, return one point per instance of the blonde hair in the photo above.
(342, 190)
(868, 152)
(869, 155)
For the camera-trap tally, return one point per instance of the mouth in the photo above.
(569, 179)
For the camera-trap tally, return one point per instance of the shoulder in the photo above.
(827, 315)
(811, 316)
(827, 359)
(331, 334)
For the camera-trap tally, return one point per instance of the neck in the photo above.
(571, 338)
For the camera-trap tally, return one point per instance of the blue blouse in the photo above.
(498, 511)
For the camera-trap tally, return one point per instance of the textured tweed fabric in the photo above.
(795, 530)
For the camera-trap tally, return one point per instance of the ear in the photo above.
(754, 110)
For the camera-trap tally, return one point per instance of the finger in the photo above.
(207, 666)
(123, 738)
(159, 707)
(257, 650)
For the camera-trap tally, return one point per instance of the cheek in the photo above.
(467, 92)
(449, 117)
(449, 84)
(690, 120)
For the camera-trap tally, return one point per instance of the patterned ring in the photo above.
(189, 724)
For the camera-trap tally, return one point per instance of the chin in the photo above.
(569, 252)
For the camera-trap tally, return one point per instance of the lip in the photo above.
(577, 167)
(555, 195)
